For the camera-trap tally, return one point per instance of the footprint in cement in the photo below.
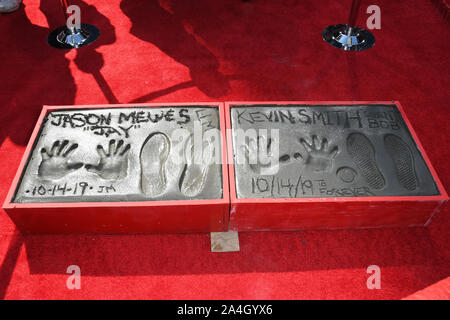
(195, 171)
(401, 154)
(154, 154)
(363, 154)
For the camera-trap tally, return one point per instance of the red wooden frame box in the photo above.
(120, 217)
(329, 213)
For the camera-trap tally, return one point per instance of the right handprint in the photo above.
(113, 164)
(319, 156)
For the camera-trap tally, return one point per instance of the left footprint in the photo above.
(153, 157)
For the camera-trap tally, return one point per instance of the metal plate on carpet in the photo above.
(225, 241)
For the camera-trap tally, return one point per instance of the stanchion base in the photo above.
(65, 38)
(348, 38)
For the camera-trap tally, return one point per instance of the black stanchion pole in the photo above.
(64, 6)
(353, 12)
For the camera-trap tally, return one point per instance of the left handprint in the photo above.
(56, 163)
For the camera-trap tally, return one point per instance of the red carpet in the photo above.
(200, 50)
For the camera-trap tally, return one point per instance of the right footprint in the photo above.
(195, 171)
(154, 154)
(401, 154)
(363, 154)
